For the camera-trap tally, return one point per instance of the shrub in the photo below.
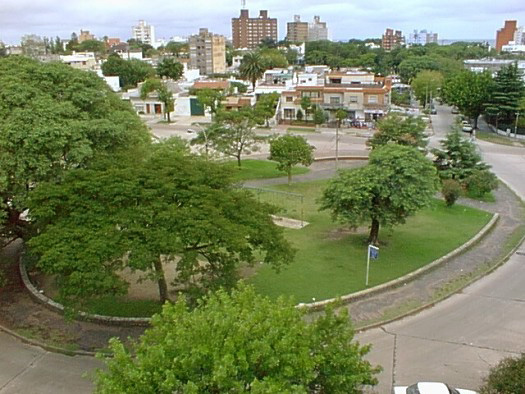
(299, 115)
(481, 182)
(451, 190)
(508, 377)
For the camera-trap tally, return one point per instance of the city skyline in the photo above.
(354, 19)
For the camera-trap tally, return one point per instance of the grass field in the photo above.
(260, 169)
(301, 130)
(499, 139)
(331, 260)
(116, 306)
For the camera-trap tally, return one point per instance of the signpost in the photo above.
(373, 253)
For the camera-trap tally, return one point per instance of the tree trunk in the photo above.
(169, 118)
(161, 281)
(239, 161)
(289, 176)
(476, 121)
(374, 232)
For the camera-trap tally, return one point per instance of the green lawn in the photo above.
(116, 306)
(301, 130)
(260, 169)
(499, 139)
(331, 263)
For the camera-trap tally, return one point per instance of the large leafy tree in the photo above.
(177, 48)
(54, 118)
(163, 92)
(289, 151)
(266, 105)
(211, 99)
(413, 65)
(240, 343)
(170, 68)
(469, 92)
(131, 72)
(252, 67)
(426, 85)
(236, 134)
(402, 130)
(167, 208)
(507, 91)
(397, 182)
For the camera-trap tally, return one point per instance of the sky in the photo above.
(451, 19)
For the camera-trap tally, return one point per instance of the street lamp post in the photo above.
(516, 126)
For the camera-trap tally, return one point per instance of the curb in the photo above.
(56, 307)
(423, 307)
(346, 299)
(332, 158)
(45, 346)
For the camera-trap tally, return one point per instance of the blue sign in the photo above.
(373, 251)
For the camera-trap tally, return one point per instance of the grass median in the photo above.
(260, 169)
(331, 259)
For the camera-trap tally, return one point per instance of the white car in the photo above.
(466, 126)
(430, 388)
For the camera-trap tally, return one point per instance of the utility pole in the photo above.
(516, 126)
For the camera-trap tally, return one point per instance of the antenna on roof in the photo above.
(243, 4)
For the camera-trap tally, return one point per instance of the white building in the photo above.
(317, 30)
(81, 60)
(422, 37)
(144, 33)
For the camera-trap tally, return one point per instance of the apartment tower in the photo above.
(506, 34)
(249, 32)
(208, 52)
(392, 39)
(317, 30)
(297, 30)
(144, 33)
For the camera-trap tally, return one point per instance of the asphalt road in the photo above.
(459, 339)
(456, 341)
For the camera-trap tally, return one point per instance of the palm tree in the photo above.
(252, 67)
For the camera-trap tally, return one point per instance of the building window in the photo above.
(289, 99)
(289, 113)
(353, 99)
(372, 99)
(335, 100)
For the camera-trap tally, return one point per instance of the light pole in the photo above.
(516, 126)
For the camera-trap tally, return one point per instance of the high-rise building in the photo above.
(422, 37)
(208, 52)
(297, 30)
(392, 39)
(519, 36)
(144, 33)
(85, 35)
(317, 30)
(506, 34)
(249, 32)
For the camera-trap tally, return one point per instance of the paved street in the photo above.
(455, 341)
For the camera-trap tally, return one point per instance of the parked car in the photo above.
(466, 126)
(430, 388)
(454, 110)
(433, 111)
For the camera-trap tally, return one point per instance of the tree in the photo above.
(170, 68)
(508, 377)
(236, 136)
(205, 137)
(469, 92)
(96, 46)
(163, 92)
(290, 150)
(306, 105)
(402, 130)
(252, 67)
(411, 66)
(210, 99)
(266, 105)
(299, 115)
(507, 91)
(177, 48)
(146, 211)
(240, 343)
(457, 159)
(397, 182)
(54, 118)
(319, 116)
(274, 58)
(131, 72)
(426, 85)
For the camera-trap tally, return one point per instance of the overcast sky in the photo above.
(451, 19)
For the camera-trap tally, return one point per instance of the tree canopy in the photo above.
(163, 92)
(54, 118)
(427, 85)
(131, 72)
(170, 68)
(289, 151)
(146, 211)
(252, 67)
(403, 130)
(243, 343)
(397, 182)
(469, 92)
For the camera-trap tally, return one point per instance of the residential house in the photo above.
(82, 60)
